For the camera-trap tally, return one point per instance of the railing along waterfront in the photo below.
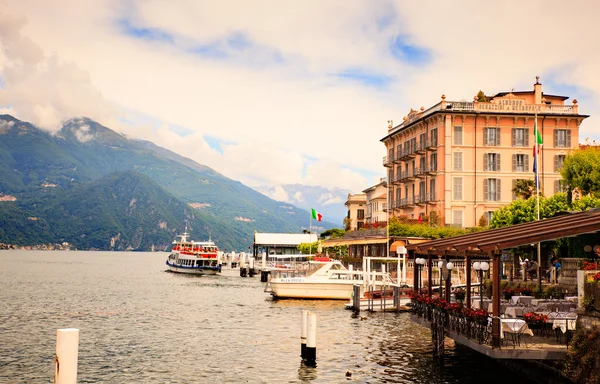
(474, 324)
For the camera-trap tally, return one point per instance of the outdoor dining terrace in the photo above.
(535, 335)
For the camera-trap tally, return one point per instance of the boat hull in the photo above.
(311, 290)
(200, 270)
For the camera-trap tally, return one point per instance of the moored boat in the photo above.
(321, 278)
(194, 257)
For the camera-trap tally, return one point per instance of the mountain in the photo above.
(49, 172)
(329, 202)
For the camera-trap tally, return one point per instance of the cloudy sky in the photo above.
(270, 92)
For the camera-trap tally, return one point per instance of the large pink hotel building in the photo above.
(461, 159)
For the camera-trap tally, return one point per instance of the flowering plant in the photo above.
(525, 291)
(454, 308)
(475, 314)
(534, 318)
(589, 266)
(508, 292)
(596, 276)
(459, 294)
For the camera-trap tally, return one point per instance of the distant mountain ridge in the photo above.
(45, 171)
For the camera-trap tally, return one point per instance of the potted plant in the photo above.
(508, 293)
(535, 321)
(459, 294)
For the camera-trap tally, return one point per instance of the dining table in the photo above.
(526, 300)
(515, 328)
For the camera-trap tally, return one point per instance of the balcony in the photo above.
(420, 171)
(431, 144)
(397, 179)
(403, 202)
(387, 163)
(412, 174)
(420, 147)
(431, 169)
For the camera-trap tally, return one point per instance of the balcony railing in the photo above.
(431, 168)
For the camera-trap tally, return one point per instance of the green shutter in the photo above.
(486, 190)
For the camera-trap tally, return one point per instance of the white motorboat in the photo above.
(320, 278)
(194, 257)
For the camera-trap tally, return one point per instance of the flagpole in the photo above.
(310, 233)
(537, 188)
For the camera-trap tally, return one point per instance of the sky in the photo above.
(285, 92)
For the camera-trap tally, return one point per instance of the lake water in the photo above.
(140, 324)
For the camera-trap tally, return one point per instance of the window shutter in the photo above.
(568, 137)
(514, 137)
(486, 162)
(486, 136)
(514, 168)
(497, 164)
(556, 163)
(498, 189)
(497, 137)
(526, 137)
(556, 187)
(486, 190)
(526, 163)
(555, 138)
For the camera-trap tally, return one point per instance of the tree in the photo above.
(481, 97)
(333, 233)
(522, 211)
(524, 188)
(581, 169)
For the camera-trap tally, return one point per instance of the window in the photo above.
(562, 138)
(458, 137)
(457, 188)
(457, 218)
(520, 163)
(491, 161)
(360, 214)
(491, 189)
(390, 155)
(520, 137)
(558, 162)
(560, 186)
(433, 137)
(398, 196)
(422, 163)
(458, 164)
(422, 188)
(491, 136)
(432, 190)
(488, 216)
(433, 162)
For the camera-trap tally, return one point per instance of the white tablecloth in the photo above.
(521, 299)
(563, 321)
(514, 326)
(515, 311)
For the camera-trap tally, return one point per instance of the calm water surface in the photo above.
(140, 324)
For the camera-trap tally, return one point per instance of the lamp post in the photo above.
(420, 262)
(440, 266)
(449, 266)
(480, 268)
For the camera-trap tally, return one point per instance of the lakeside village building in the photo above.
(461, 160)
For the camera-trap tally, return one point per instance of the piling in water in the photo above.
(67, 351)
(311, 341)
(303, 333)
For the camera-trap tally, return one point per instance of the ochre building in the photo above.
(462, 159)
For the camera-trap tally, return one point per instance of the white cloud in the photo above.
(277, 105)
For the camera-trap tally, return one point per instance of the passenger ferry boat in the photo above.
(194, 257)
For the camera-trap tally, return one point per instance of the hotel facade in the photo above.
(462, 159)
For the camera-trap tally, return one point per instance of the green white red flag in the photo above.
(316, 215)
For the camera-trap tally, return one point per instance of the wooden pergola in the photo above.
(488, 245)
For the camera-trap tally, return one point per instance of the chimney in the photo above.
(537, 91)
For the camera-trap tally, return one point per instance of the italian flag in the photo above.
(316, 215)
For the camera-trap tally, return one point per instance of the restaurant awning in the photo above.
(397, 244)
